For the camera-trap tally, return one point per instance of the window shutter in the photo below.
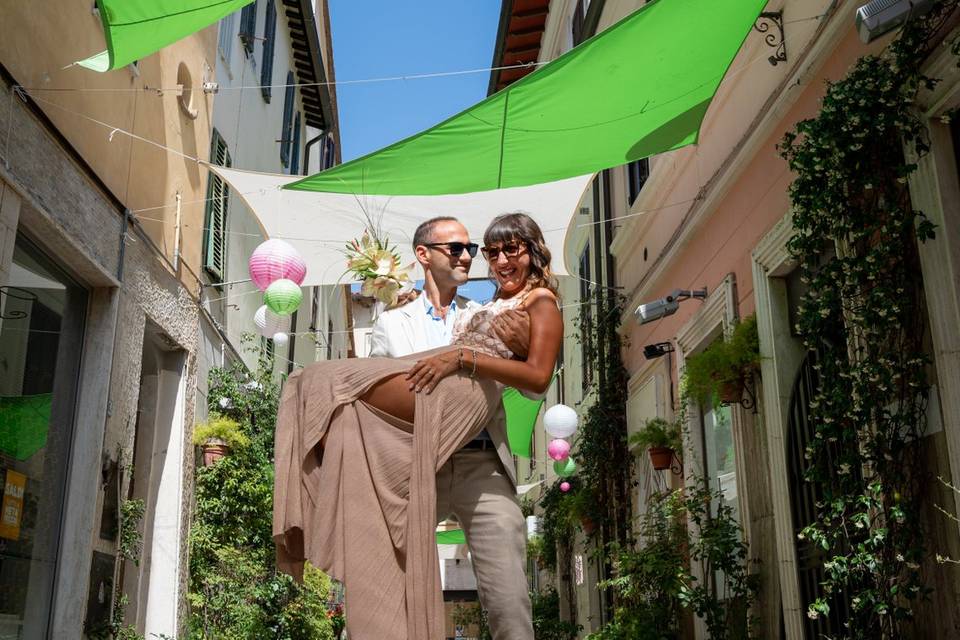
(248, 26)
(637, 173)
(286, 135)
(269, 35)
(225, 40)
(295, 153)
(215, 229)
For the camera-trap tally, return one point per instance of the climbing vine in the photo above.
(856, 241)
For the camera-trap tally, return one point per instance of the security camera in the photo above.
(667, 306)
(881, 16)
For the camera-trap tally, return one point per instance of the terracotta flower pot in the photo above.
(731, 392)
(213, 450)
(661, 457)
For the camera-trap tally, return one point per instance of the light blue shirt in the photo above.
(439, 331)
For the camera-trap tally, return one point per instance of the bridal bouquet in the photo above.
(376, 263)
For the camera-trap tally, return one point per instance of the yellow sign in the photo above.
(11, 511)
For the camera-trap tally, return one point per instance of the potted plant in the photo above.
(661, 439)
(720, 372)
(217, 436)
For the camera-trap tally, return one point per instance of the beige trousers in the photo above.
(473, 487)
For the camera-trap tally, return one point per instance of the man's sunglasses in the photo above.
(510, 249)
(457, 248)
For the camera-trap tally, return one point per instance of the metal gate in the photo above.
(803, 501)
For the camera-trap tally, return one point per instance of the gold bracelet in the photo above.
(473, 372)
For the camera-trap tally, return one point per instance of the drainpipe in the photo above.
(306, 152)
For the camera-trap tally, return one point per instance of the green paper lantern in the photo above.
(565, 468)
(283, 297)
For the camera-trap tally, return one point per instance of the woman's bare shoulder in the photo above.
(539, 296)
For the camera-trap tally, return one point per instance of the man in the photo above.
(478, 484)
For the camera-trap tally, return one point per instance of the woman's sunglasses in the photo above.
(457, 248)
(509, 249)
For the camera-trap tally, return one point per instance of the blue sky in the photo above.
(376, 38)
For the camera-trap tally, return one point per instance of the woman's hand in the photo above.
(427, 373)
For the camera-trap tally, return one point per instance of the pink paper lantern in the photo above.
(564, 486)
(558, 449)
(276, 260)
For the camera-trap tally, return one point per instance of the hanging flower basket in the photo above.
(661, 457)
(731, 391)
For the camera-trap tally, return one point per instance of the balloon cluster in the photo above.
(560, 421)
(278, 270)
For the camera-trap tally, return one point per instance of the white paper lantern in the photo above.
(280, 339)
(560, 421)
(268, 323)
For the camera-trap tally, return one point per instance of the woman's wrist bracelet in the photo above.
(473, 371)
(460, 358)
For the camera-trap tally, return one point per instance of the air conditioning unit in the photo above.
(882, 16)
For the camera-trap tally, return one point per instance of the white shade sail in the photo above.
(319, 224)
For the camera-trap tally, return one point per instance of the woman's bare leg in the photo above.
(393, 396)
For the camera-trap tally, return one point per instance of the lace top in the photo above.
(472, 327)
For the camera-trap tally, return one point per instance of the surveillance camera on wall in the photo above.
(882, 16)
(666, 306)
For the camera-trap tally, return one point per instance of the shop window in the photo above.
(218, 200)
(41, 327)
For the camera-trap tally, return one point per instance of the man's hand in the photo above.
(513, 327)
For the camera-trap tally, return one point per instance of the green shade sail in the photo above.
(454, 536)
(24, 421)
(522, 415)
(636, 89)
(135, 29)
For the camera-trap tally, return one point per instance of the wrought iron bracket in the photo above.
(748, 397)
(765, 24)
(18, 294)
(676, 466)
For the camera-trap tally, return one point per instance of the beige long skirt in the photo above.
(364, 508)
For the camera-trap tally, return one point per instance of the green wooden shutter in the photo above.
(218, 199)
(295, 152)
(248, 26)
(269, 36)
(286, 135)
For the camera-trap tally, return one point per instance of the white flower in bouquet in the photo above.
(376, 263)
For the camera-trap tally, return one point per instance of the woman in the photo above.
(359, 443)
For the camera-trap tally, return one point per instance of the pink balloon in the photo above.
(564, 486)
(558, 449)
(275, 260)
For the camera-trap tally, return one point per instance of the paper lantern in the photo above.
(564, 486)
(276, 260)
(560, 421)
(283, 297)
(558, 449)
(565, 468)
(280, 339)
(269, 323)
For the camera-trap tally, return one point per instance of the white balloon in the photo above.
(280, 339)
(268, 323)
(560, 421)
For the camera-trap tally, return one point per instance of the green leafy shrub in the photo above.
(657, 432)
(547, 624)
(221, 428)
(724, 362)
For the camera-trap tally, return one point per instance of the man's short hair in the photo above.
(424, 233)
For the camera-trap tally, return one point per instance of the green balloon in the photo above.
(283, 297)
(565, 468)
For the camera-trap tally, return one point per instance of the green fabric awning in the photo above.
(454, 536)
(521, 415)
(135, 29)
(636, 89)
(24, 421)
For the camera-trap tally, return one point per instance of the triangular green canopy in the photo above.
(636, 89)
(521, 413)
(454, 536)
(135, 29)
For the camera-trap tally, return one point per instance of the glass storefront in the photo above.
(41, 329)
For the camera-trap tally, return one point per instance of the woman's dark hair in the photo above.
(519, 227)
